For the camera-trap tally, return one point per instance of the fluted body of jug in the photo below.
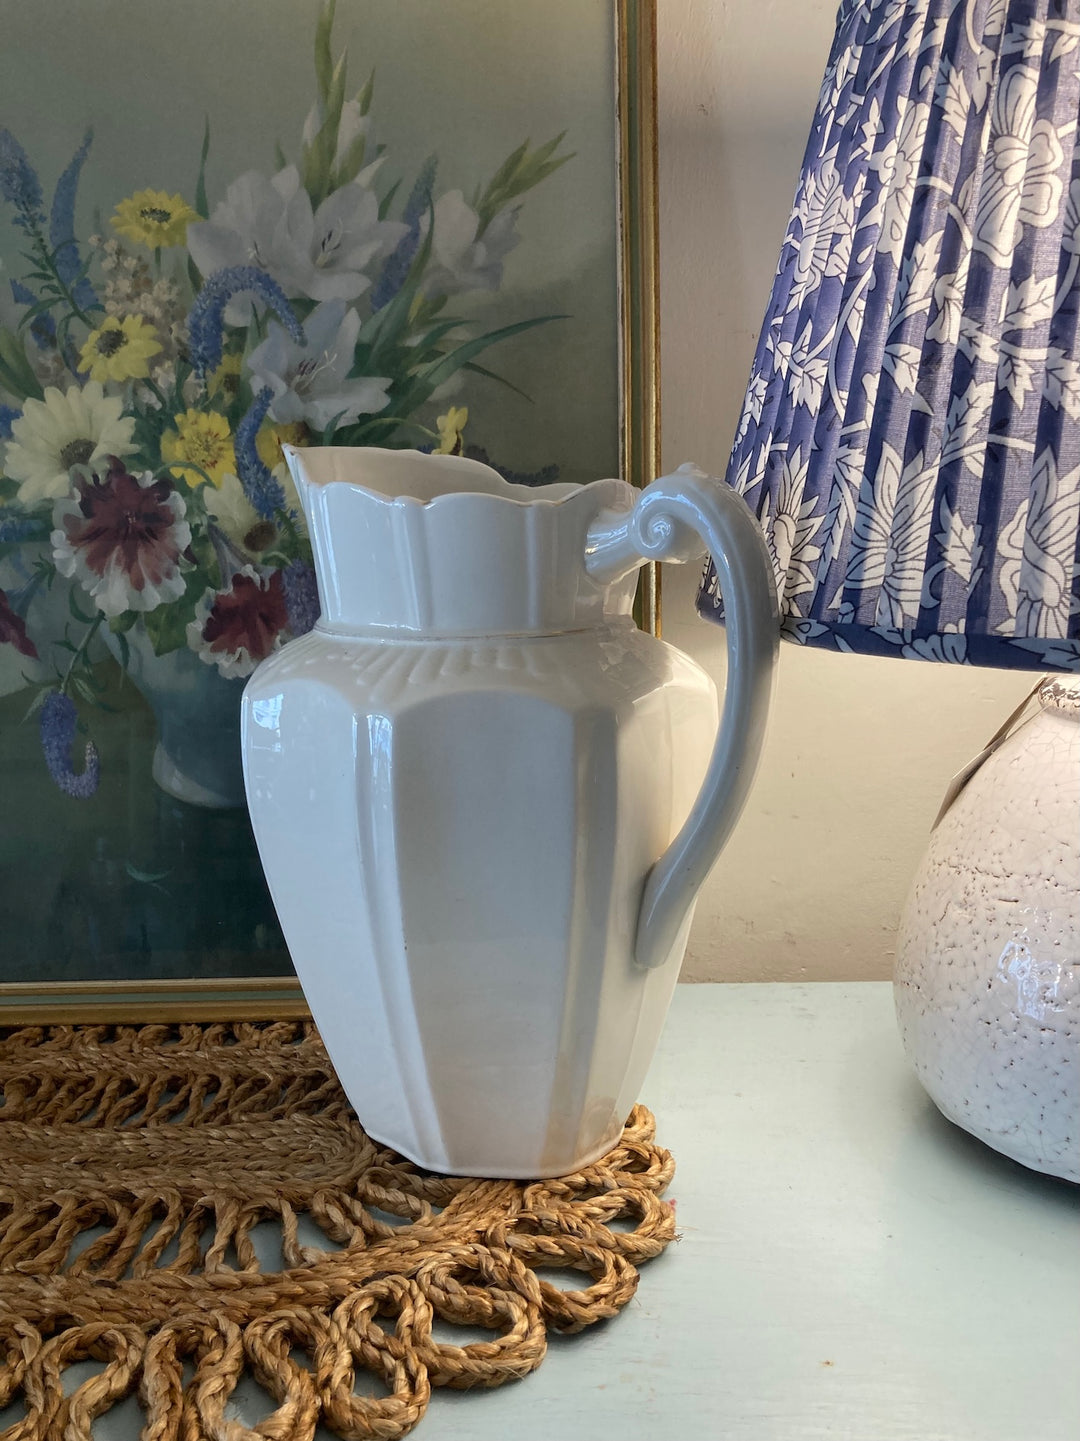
(484, 799)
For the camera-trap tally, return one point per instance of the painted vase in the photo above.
(485, 801)
(196, 709)
(988, 961)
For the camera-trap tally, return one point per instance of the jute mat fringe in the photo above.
(136, 1164)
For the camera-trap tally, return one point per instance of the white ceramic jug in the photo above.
(484, 800)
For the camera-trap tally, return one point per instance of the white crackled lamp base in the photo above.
(988, 964)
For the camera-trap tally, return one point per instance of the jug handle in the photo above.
(665, 523)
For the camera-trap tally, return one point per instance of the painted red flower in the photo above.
(238, 627)
(122, 539)
(13, 630)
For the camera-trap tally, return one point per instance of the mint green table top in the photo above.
(852, 1267)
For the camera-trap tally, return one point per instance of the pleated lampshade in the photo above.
(910, 437)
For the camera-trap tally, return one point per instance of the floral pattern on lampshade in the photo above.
(910, 437)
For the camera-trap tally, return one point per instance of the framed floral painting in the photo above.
(283, 221)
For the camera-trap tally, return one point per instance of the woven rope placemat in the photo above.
(136, 1164)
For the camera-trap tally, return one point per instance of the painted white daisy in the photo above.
(60, 431)
(227, 504)
(231, 510)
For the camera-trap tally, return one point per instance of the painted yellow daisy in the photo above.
(225, 380)
(120, 349)
(154, 218)
(201, 438)
(451, 426)
(272, 437)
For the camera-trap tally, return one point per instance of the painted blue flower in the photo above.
(301, 596)
(22, 527)
(397, 265)
(265, 493)
(58, 722)
(8, 414)
(547, 475)
(62, 230)
(43, 326)
(19, 183)
(206, 320)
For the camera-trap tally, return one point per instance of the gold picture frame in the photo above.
(634, 173)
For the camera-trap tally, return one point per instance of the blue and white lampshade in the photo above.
(910, 437)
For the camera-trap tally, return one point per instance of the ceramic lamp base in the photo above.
(988, 964)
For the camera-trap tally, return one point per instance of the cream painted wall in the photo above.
(859, 749)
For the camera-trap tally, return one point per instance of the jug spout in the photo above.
(409, 544)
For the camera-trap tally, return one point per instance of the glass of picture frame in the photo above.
(489, 188)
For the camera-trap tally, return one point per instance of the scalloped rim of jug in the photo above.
(507, 491)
